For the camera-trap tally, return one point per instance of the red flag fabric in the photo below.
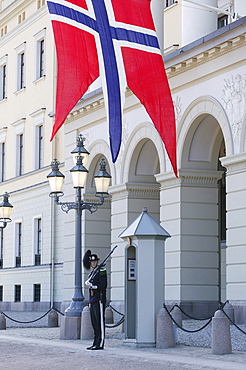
(115, 39)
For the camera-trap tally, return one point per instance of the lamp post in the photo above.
(5, 211)
(79, 175)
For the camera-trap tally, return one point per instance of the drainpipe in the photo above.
(52, 210)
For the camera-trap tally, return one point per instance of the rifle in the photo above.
(97, 269)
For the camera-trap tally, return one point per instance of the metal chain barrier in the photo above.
(180, 327)
(120, 321)
(61, 313)
(190, 317)
(221, 307)
(232, 321)
(26, 322)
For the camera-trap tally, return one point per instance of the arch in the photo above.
(98, 149)
(198, 111)
(144, 131)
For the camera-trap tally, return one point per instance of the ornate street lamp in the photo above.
(5, 211)
(79, 175)
(80, 150)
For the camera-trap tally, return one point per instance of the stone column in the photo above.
(236, 234)
(189, 210)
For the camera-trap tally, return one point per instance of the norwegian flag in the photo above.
(114, 39)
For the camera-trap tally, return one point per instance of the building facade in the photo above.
(203, 210)
(31, 264)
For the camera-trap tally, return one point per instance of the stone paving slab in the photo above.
(35, 346)
(41, 348)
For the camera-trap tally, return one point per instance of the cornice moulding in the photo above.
(234, 163)
(136, 190)
(189, 177)
(24, 25)
(203, 53)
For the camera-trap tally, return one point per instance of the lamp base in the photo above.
(70, 328)
(75, 308)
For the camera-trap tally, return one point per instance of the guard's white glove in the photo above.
(90, 285)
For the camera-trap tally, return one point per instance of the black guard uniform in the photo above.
(97, 302)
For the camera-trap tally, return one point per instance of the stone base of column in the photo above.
(70, 328)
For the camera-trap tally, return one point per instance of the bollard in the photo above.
(229, 310)
(86, 325)
(109, 319)
(123, 327)
(52, 319)
(177, 315)
(2, 322)
(221, 336)
(164, 330)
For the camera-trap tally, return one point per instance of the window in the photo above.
(1, 248)
(2, 161)
(17, 293)
(40, 146)
(3, 93)
(38, 139)
(18, 243)
(40, 54)
(169, 2)
(41, 58)
(20, 63)
(222, 21)
(19, 127)
(37, 240)
(36, 292)
(1, 293)
(3, 78)
(19, 162)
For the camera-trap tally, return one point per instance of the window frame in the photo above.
(38, 152)
(19, 154)
(36, 292)
(3, 78)
(40, 146)
(17, 297)
(37, 240)
(40, 55)
(21, 67)
(2, 161)
(18, 239)
(169, 3)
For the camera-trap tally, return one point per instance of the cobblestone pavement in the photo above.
(27, 348)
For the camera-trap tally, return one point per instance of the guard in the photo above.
(97, 283)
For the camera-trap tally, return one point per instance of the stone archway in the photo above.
(193, 253)
(202, 170)
(136, 188)
(96, 230)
